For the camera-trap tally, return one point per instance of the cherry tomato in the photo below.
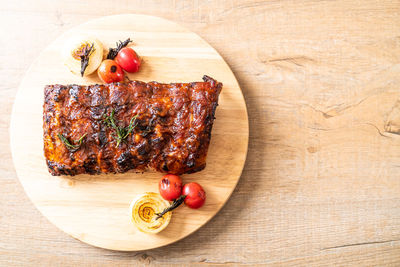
(128, 59)
(170, 187)
(109, 71)
(195, 195)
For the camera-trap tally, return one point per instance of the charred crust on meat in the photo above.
(190, 163)
(125, 161)
(142, 149)
(165, 167)
(90, 165)
(102, 137)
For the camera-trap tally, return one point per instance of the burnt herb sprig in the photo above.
(73, 147)
(176, 203)
(113, 52)
(121, 132)
(87, 50)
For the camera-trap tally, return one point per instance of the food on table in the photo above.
(82, 55)
(126, 57)
(135, 125)
(113, 52)
(170, 187)
(110, 72)
(195, 195)
(150, 208)
(144, 211)
(128, 60)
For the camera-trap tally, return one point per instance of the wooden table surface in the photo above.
(321, 184)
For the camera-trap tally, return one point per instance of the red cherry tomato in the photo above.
(128, 59)
(109, 71)
(195, 195)
(170, 187)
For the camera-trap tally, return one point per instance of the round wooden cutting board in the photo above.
(95, 209)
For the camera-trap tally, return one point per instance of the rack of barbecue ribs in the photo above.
(117, 127)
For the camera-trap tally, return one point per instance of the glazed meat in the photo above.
(117, 127)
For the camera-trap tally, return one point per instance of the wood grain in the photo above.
(321, 184)
(95, 209)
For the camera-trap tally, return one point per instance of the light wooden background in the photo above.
(321, 185)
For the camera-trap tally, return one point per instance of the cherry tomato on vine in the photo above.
(170, 187)
(109, 71)
(195, 195)
(128, 59)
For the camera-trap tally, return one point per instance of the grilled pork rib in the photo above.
(167, 127)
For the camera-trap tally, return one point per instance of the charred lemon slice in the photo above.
(144, 210)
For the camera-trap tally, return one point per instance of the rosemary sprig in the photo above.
(72, 147)
(122, 132)
(113, 52)
(85, 54)
(176, 203)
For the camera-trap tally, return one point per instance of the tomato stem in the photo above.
(176, 203)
